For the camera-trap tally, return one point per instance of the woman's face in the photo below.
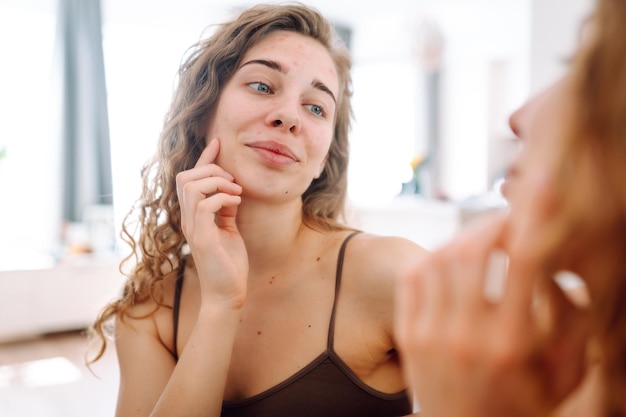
(536, 185)
(275, 116)
(531, 186)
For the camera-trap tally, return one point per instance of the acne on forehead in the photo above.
(274, 41)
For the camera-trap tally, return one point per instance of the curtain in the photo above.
(86, 155)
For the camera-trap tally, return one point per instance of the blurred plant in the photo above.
(413, 186)
(417, 162)
(3, 152)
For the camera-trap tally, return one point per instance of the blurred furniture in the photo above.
(65, 297)
(425, 221)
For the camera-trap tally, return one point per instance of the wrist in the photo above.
(223, 307)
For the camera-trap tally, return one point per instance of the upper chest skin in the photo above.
(285, 322)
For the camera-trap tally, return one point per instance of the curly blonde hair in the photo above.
(209, 65)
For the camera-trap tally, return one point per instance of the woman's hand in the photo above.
(467, 354)
(209, 199)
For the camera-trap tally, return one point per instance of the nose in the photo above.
(515, 122)
(285, 115)
(521, 119)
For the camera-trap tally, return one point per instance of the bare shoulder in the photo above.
(384, 256)
(150, 317)
(138, 320)
(374, 263)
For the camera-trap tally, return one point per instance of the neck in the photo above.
(269, 231)
(601, 267)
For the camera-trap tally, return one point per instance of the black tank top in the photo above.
(326, 387)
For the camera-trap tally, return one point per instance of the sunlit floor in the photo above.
(47, 377)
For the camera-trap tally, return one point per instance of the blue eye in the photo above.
(260, 87)
(317, 110)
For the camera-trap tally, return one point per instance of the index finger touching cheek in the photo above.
(210, 152)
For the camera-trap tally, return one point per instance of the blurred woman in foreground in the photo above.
(531, 350)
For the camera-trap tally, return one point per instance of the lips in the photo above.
(511, 172)
(276, 148)
(510, 176)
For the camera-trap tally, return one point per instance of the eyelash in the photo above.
(259, 83)
(321, 113)
(256, 84)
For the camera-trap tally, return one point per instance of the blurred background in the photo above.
(84, 85)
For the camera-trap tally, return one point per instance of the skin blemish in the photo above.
(259, 333)
(318, 259)
(309, 326)
(272, 280)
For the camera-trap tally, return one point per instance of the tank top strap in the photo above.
(340, 259)
(176, 308)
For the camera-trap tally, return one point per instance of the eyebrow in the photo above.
(278, 67)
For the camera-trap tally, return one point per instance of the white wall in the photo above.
(520, 40)
(30, 173)
(479, 35)
(555, 28)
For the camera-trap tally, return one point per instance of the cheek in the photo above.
(596, 210)
(226, 117)
(218, 127)
(319, 153)
(534, 211)
(323, 142)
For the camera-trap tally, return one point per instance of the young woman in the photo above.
(248, 296)
(530, 350)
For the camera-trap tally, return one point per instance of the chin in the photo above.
(505, 190)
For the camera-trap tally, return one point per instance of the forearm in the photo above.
(196, 387)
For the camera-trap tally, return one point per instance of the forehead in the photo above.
(297, 54)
